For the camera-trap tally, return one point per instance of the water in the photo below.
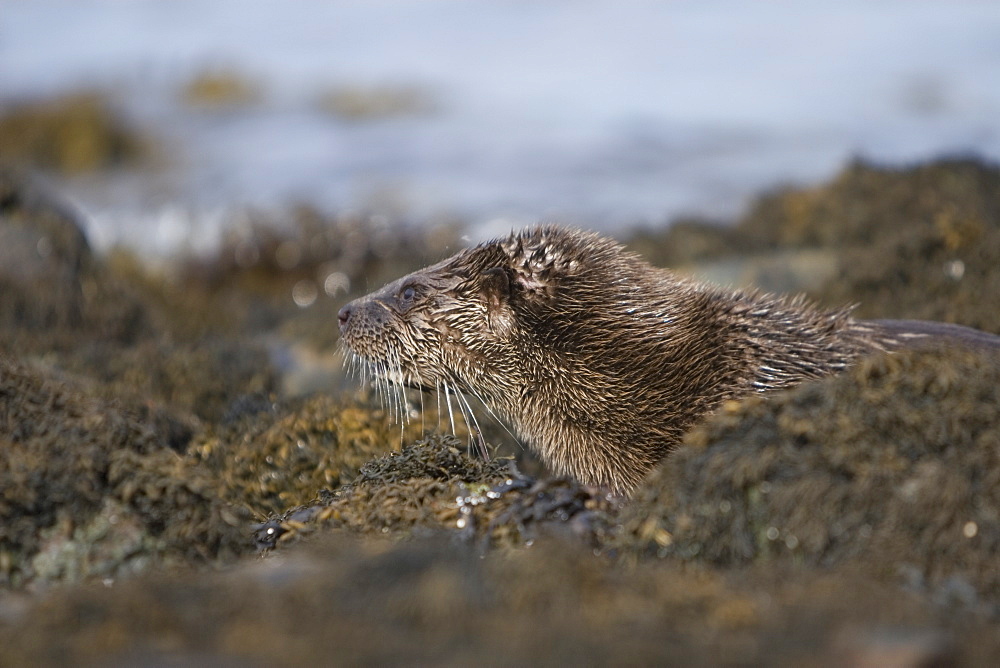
(600, 113)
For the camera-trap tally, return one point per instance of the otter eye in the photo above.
(408, 294)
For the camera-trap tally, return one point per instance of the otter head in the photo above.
(468, 322)
(433, 328)
(525, 324)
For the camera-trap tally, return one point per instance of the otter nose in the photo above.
(344, 314)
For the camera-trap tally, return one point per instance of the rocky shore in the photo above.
(187, 476)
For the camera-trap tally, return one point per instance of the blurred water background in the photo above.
(499, 113)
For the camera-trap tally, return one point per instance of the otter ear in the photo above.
(495, 287)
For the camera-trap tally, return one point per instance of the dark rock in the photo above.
(43, 251)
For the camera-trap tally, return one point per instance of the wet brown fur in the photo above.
(599, 360)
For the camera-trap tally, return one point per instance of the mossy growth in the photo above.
(895, 464)
(94, 488)
(283, 454)
(432, 485)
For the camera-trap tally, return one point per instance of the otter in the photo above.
(600, 361)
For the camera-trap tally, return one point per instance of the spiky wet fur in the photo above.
(598, 360)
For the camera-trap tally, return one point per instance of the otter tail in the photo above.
(914, 334)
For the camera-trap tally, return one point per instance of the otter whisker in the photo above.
(356, 368)
(352, 367)
(447, 401)
(469, 413)
(420, 384)
(344, 353)
(399, 385)
(349, 364)
(437, 397)
(496, 417)
(423, 425)
(375, 382)
(382, 383)
(404, 415)
(390, 391)
(391, 387)
(345, 362)
(463, 410)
